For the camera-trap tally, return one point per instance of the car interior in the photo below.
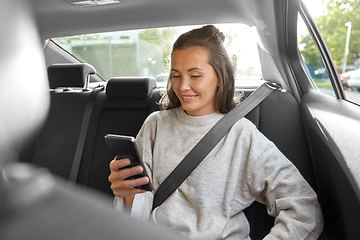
(314, 129)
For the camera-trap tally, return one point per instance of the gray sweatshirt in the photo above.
(244, 167)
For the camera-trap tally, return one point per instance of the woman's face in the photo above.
(194, 81)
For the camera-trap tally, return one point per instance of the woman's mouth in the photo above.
(188, 98)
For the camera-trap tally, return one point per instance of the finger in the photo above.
(129, 172)
(116, 164)
(121, 175)
(134, 182)
(128, 184)
(127, 187)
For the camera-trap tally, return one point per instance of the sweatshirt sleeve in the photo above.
(278, 184)
(142, 203)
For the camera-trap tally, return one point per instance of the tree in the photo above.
(151, 35)
(310, 53)
(332, 27)
(160, 38)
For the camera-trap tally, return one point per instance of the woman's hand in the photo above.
(120, 186)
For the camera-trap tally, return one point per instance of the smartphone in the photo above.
(125, 147)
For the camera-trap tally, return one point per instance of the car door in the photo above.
(332, 122)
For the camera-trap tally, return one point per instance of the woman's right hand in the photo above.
(122, 187)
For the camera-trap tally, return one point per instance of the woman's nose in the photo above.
(184, 84)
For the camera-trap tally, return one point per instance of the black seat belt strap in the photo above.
(209, 141)
(82, 137)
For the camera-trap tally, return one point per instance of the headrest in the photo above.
(133, 87)
(69, 74)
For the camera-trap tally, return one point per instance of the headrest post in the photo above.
(87, 81)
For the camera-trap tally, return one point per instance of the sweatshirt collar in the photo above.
(198, 120)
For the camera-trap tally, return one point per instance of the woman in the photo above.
(244, 167)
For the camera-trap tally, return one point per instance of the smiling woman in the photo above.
(194, 81)
(202, 76)
(244, 167)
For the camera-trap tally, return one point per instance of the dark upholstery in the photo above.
(55, 145)
(118, 113)
(278, 118)
(136, 87)
(69, 74)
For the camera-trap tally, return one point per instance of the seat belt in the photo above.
(82, 137)
(209, 141)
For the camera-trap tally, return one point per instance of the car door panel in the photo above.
(335, 153)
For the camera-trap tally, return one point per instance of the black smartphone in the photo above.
(125, 147)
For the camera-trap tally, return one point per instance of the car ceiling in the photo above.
(57, 18)
(60, 18)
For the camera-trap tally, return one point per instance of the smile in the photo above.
(188, 97)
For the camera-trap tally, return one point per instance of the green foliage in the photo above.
(160, 38)
(151, 35)
(333, 29)
(309, 51)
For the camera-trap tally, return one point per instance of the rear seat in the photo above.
(123, 108)
(278, 118)
(55, 145)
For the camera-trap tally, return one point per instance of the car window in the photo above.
(312, 59)
(147, 52)
(339, 25)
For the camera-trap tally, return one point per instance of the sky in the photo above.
(315, 6)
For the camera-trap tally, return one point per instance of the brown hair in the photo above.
(211, 39)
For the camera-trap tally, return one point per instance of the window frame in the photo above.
(323, 51)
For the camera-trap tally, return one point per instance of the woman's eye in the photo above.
(175, 76)
(195, 76)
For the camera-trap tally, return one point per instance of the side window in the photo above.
(312, 59)
(339, 25)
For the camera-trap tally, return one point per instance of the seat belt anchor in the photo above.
(275, 86)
